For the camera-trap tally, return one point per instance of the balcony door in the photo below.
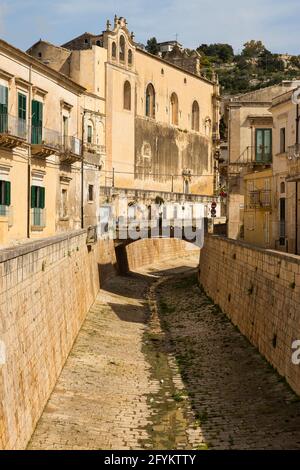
(3, 108)
(263, 145)
(37, 122)
(65, 131)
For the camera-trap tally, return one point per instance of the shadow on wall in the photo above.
(148, 251)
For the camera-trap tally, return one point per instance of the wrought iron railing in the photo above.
(38, 217)
(94, 148)
(7, 211)
(293, 152)
(44, 136)
(14, 126)
(71, 145)
(251, 156)
(259, 199)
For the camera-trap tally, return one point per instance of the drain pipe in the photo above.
(29, 152)
(82, 171)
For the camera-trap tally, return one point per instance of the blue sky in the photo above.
(275, 22)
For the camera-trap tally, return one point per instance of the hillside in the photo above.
(254, 68)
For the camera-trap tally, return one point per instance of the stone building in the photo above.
(286, 174)
(40, 148)
(250, 135)
(94, 119)
(161, 117)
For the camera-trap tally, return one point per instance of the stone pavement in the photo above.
(157, 366)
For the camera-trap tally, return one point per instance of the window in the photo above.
(127, 96)
(37, 206)
(89, 134)
(114, 50)
(90, 193)
(86, 41)
(195, 116)
(37, 197)
(130, 57)
(3, 108)
(37, 122)
(282, 212)
(150, 101)
(174, 109)
(282, 187)
(122, 49)
(40, 55)
(162, 71)
(22, 114)
(282, 140)
(4, 197)
(263, 145)
(267, 228)
(64, 203)
(65, 131)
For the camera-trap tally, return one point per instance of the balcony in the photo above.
(92, 153)
(7, 213)
(293, 156)
(70, 150)
(38, 219)
(259, 199)
(44, 142)
(13, 131)
(252, 158)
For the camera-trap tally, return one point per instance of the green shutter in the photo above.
(3, 108)
(37, 122)
(21, 106)
(33, 196)
(42, 198)
(7, 193)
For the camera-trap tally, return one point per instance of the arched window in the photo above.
(122, 49)
(130, 57)
(150, 101)
(282, 187)
(195, 116)
(114, 50)
(127, 96)
(174, 109)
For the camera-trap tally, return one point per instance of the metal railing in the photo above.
(47, 137)
(250, 156)
(7, 211)
(13, 126)
(94, 148)
(71, 145)
(293, 152)
(38, 217)
(259, 199)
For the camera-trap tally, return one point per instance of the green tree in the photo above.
(222, 52)
(152, 46)
(253, 49)
(270, 62)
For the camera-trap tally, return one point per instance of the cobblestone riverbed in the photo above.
(157, 365)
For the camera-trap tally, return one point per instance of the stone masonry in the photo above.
(259, 290)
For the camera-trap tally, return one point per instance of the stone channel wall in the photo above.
(46, 290)
(149, 251)
(259, 290)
